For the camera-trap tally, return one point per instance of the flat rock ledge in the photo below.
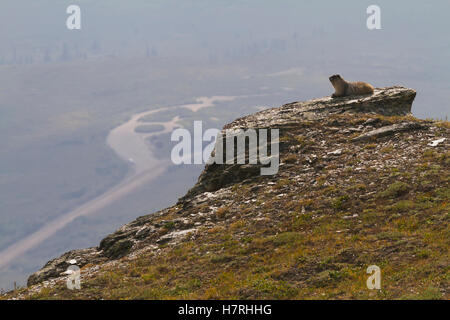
(388, 101)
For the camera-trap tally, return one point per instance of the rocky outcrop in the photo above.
(56, 267)
(387, 101)
(154, 230)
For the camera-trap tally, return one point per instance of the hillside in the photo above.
(361, 182)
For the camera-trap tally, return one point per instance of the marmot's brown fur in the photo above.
(343, 88)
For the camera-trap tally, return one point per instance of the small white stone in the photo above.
(436, 142)
(335, 152)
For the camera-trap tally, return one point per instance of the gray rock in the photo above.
(56, 267)
(335, 152)
(389, 130)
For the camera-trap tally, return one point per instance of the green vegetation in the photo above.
(395, 190)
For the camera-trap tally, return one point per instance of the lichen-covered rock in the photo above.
(56, 267)
(387, 101)
(389, 130)
(119, 249)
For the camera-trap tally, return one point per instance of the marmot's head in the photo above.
(335, 78)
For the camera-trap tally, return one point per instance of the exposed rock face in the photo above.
(114, 246)
(151, 231)
(385, 101)
(56, 267)
(388, 130)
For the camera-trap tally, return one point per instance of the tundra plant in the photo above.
(235, 145)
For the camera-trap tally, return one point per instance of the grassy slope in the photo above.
(309, 232)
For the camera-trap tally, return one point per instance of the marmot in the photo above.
(344, 88)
